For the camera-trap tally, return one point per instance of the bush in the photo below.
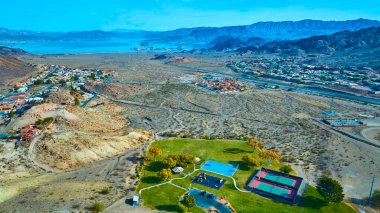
(44, 121)
(251, 160)
(98, 207)
(77, 102)
(105, 191)
(376, 198)
(286, 169)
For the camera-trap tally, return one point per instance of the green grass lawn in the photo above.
(165, 198)
(227, 152)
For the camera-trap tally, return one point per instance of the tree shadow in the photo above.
(313, 202)
(155, 166)
(242, 165)
(150, 179)
(168, 208)
(235, 150)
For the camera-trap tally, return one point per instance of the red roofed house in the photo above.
(28, 132)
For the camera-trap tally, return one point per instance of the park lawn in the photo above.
(165, 198)
(250, 202)
(226, 151)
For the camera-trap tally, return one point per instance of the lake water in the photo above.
(87, 46)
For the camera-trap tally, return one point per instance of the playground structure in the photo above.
(275, 185)
(209, 181)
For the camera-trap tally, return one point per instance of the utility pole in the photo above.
(370, 192)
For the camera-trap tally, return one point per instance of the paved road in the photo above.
(307, 90)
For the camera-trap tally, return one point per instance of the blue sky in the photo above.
(69, 15)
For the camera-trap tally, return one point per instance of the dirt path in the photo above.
(31, 155)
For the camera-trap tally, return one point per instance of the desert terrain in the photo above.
(96, 147)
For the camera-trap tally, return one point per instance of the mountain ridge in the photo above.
(270, 30)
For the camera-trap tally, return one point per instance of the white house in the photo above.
(177, 170)
(22, 89)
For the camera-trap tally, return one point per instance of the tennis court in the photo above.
(279, 179)
(219, 168)
(275, 184)
(273, 189)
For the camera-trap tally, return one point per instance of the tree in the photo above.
(170, 162)
(77, 102)
(272, 154)
(286, 169)
(189, 201)
(92, 76)
(255, 143)
(165, 174)
(330, 189)
(62, 82)
(155, 151)
(38, 82)
(251, 160)
(76, 78)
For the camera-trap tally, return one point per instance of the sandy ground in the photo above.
(283, 120)
(66, 190)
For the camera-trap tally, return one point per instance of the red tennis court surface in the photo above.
(275, 184)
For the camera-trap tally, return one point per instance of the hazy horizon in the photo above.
(154, 15)
(136, 30)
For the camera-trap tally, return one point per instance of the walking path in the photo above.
(195, 170)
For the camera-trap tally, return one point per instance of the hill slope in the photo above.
(344, 41)
(10, 66)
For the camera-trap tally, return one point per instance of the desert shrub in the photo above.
(98, 207)
(105, 191)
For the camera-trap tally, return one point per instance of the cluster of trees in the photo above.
(165, 174)
(255, 143)
(179, 160)
(251, 159)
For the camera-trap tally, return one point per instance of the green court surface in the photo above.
(279, 179)
(273, 189)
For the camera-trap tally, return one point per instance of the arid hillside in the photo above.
(11, 68)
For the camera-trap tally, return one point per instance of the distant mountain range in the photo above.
(285, 30)
(344, 41)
